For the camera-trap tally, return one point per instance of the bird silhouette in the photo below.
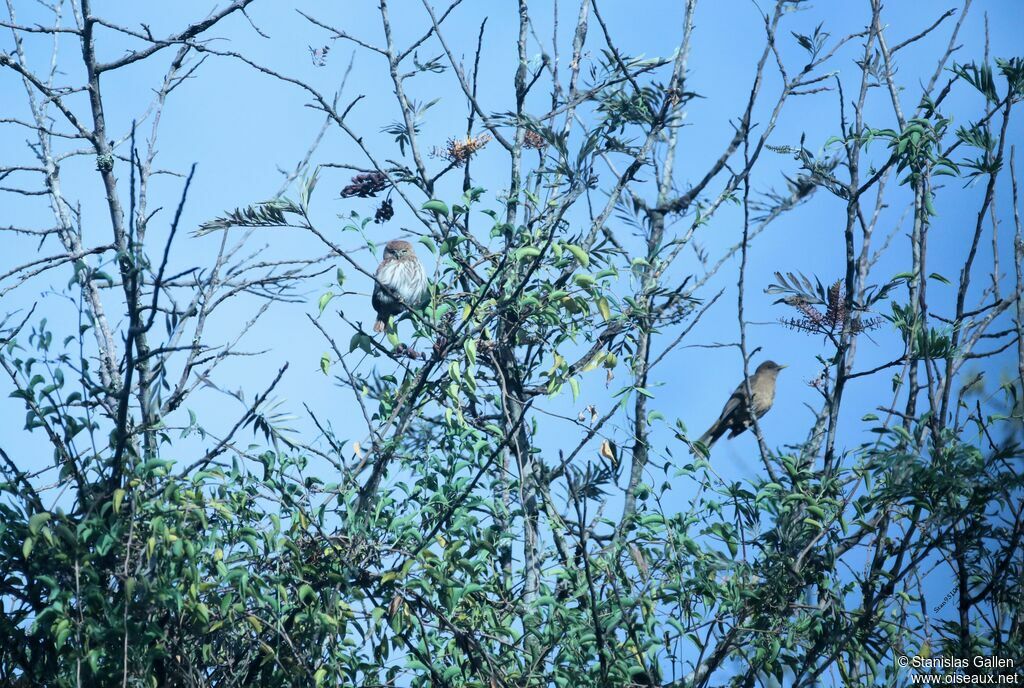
(735, 417)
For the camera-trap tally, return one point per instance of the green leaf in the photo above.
(429, 243)
(360, 341)
(37, 521)
(436, 206)
(325, 363)
(26, 547)
(325, 299)
(526, 252)
(118, 498)
(579, 253)
(306, 593)
(306, 190)
(63, 631)
(584, 280)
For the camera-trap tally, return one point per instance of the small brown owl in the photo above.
(401, 282)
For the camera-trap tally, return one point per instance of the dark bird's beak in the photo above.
(783, 366)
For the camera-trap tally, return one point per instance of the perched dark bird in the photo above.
(401, 282)
(735, 416)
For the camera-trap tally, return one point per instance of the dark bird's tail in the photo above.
(713, 434)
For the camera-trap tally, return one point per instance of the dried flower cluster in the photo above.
(385, 212)
(319, 55)
(366, 185)
(404, 350)
(533, 140)
(831, 321)
(458, 151)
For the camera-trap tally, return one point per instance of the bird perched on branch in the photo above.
(401, 282)
(735, 416)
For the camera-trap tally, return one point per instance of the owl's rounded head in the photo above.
(398, 248)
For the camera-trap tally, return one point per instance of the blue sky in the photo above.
(242, 127)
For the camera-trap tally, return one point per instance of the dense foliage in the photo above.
(512, 502)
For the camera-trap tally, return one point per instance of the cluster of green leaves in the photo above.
(166, 578)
